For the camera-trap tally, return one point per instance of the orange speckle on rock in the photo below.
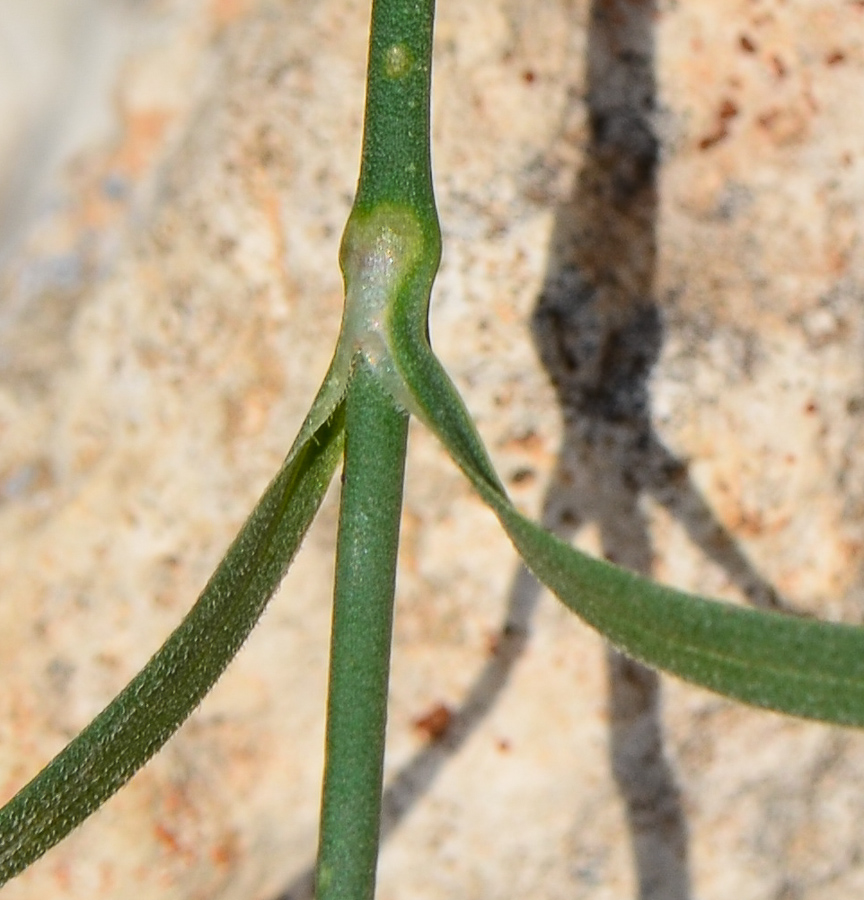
(225, 852)
(778, 66)
(528, 442)
(176, 801)
(167, 838)
(767, 119)
(143, 133)
(62, 876)
(751, 523)
(715, 137)
(493, 643)
(224, 12)
(728, 109)
(434, 724)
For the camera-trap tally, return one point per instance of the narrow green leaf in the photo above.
(799, 666)
(155, 703)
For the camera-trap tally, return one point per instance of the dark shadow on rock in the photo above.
(599, 331)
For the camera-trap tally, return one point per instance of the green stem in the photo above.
(375, 439)
(389, 256)
(395, 166)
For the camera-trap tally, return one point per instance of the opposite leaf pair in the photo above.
(798, 666)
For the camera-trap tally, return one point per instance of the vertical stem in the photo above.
(396, 165)
(376, 434)
(389, 257)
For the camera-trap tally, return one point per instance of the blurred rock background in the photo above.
(651, 297)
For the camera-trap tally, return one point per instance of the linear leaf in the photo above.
(799, 666)
(155, 703)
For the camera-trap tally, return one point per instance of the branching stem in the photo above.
(390, 253)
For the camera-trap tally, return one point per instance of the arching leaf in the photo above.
(155, 703)
(794, 665)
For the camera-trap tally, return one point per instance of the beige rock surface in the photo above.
(169, 298)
